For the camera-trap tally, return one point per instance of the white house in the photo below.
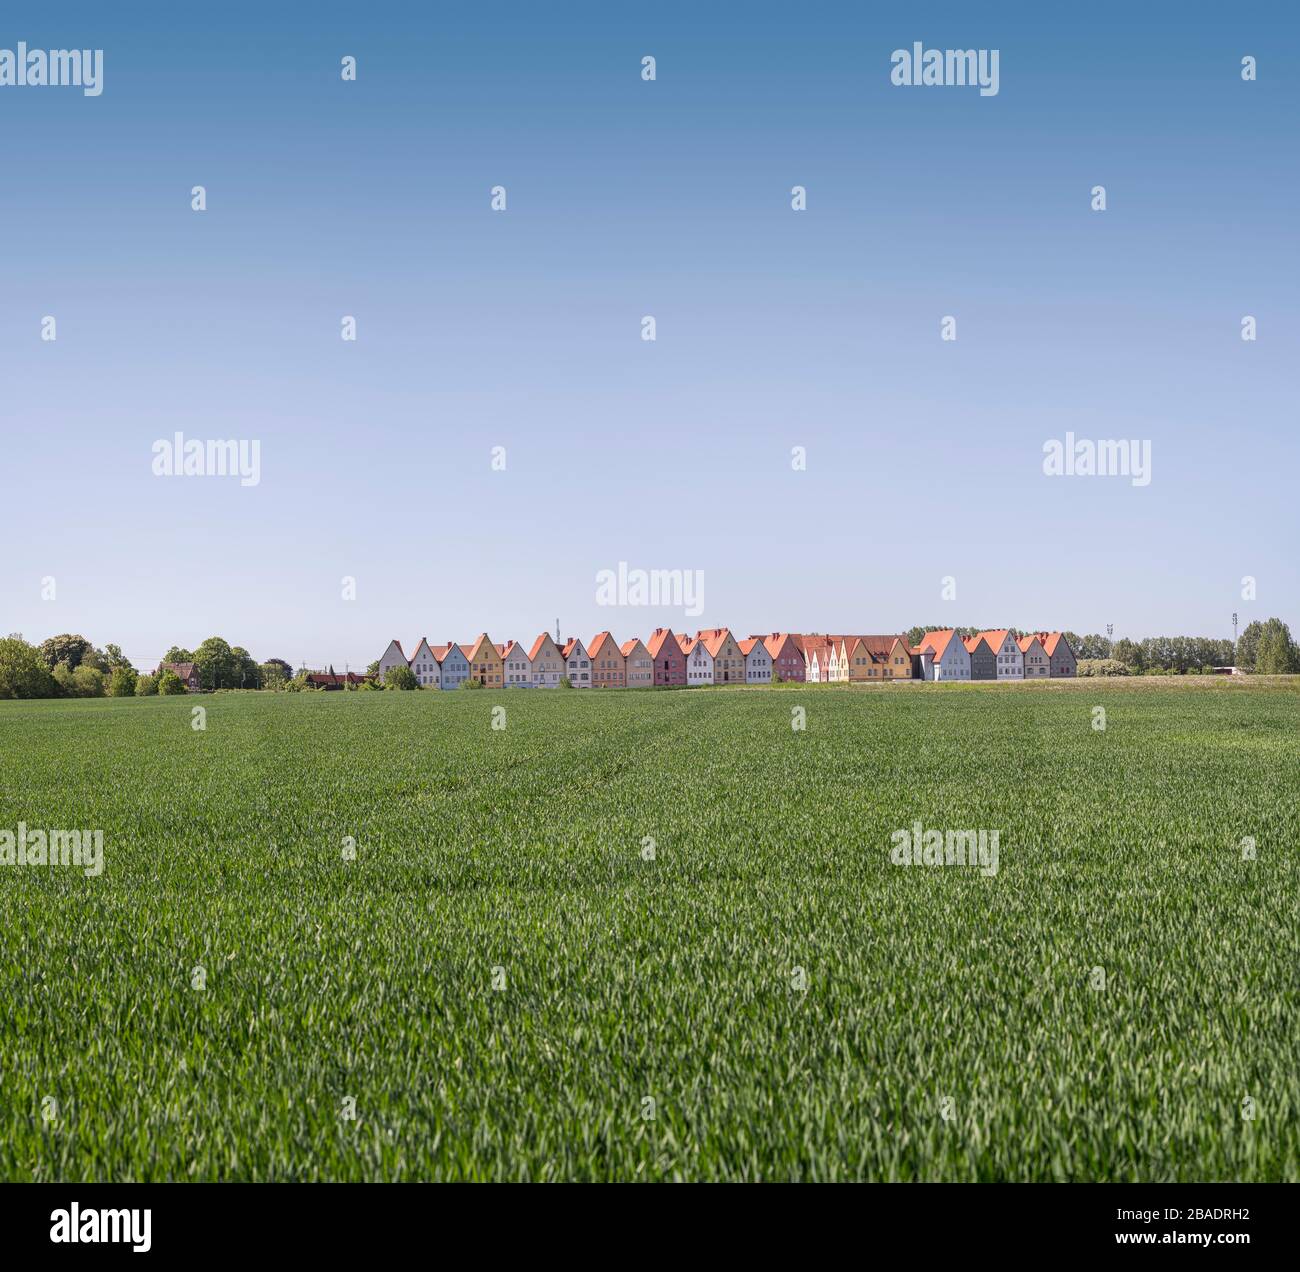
(577, 663)
(393, 657)
(516, 666)
(950, 659)
(547, 663)
(424, 664)
(699, 662)
(453, 664)
(1011, 659)
(758, 661)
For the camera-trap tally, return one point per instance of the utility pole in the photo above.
(1234, 635)
(1110, 630)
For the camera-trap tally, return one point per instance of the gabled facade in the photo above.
(516, 666)
(758, 661)
(1062, 658)
(788, 660)
(667, 658)
(453, 665)
(608, 670)
(983, 661)
(485, 662)
(699, 662)
(547, 663)
(818, 650)
(638, 668)
(428, 675)
(728, 661)
(393, 657)
(949, 656)
(1010, 659)
(1037, 664)
(577, 663)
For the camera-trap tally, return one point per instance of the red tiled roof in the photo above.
(714, 638)
(629, 645)
(537, 645)
(598, 643)
(747, 646)
(657, 638)
(995, 638)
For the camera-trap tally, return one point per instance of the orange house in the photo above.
(728, 661)
(608, 666)
(638, 665)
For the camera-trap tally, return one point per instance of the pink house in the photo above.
(787, 658)
(669, 661)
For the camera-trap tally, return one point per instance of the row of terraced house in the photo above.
(716, 657)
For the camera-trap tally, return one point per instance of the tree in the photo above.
(1248, 644)
(115, 658)
(65, 649)
(217, 664)
(88, 682)
(400, 677)
(1129, 653)
(170, 683)
(372, 669)
(1277, 654)
(146, 686)
(275, 674)
(62, 674)
(23, 672)
(122, 682)
(248, 673)
(177, 655)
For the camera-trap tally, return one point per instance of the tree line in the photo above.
(70, 666)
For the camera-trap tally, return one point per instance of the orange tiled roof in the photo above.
(657, 638)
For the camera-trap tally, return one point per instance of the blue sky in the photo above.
(521, 329)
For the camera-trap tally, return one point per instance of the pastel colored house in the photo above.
(639, 669)
(1010, 659)
(1037, 663)
(485, 662)
(788, 660)
(425, 667)
(516, 666)
(983, 661)
(577, 663)
(547, 663)
(452, 664)
(699, 662)
(667, 657)
(949, 656)
(758, 661)
(1062, 658)
(818, 651)
(608, 668)
(393, 657)
(728, 661)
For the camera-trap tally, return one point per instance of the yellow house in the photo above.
(876, 658)
(485, 664)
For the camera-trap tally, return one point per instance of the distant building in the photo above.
(188, 673)
(667, 657)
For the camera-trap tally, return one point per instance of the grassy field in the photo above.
(767, 997)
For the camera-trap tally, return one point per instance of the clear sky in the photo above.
(522, 329)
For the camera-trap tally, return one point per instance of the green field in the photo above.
(950, 1025)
